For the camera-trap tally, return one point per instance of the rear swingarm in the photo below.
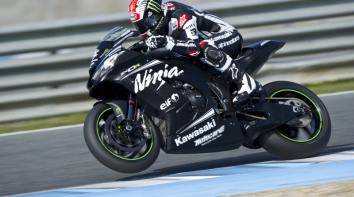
(268, 117)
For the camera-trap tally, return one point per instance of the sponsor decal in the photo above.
(228, 43)
(136, 68)
(221, 37)
(210, 137)
(143, 81)
(131, 69)
(194, 32)
(209, 126)
(191, 28)
(201, 119)
(182, 20)
(155, 6)
(186, 44)
(173, 99)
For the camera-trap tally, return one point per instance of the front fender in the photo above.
(119, 107)
(109, 90)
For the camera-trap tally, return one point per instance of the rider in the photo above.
(190, 32)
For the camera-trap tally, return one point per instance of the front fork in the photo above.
(131, 112)
(132, 115)
(131, 107)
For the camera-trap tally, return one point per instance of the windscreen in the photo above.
(118, 35)
(109, 50)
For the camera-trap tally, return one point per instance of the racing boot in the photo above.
(246, 85)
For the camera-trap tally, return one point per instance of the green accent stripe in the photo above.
(154, 7)
(317, 109)
(107, 149)
(154, 3)
(154, 10)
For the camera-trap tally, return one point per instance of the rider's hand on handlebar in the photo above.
(156, 42)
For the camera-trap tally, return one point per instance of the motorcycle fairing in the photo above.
(188, 129)
(207, 133)
(138, 73)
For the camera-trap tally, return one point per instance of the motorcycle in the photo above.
(148, 102)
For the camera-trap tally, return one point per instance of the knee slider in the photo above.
(214, 55)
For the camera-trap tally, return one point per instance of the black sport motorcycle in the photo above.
(147, 102)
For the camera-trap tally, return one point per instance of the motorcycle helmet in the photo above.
(146, 15)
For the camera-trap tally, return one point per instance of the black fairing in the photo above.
(107, 87)
(194, 123)
(254, 56)
(153, 82)
(178, 115)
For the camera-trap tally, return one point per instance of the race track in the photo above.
(56, 159)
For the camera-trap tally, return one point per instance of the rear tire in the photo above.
(279, 144)
(109, 158)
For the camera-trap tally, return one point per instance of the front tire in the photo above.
(294, 143)
(109, 156)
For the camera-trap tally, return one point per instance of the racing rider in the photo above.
(190, 32)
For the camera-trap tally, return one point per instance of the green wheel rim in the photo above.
(114, 154)
(318, 110)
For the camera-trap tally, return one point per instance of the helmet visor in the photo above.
(147, 23)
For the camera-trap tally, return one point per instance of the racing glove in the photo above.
(156, 42)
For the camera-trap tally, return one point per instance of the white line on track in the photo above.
(127, 184)
(80, 125)
(336, 94)
(192, 175)
(144, 182)
(340, 156)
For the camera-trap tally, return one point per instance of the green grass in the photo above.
(25, 125)
(329, 87)
(78, 118)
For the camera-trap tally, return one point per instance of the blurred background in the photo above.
(46, 48)
(49, 10)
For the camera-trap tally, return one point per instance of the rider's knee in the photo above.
(212, 54)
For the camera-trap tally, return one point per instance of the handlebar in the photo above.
(154, 53)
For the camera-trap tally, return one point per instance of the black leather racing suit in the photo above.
(193, 30)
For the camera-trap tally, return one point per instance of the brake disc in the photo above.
(114, 142)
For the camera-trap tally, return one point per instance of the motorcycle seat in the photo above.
(253, 56)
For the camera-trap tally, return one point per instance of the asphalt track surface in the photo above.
(56, 159)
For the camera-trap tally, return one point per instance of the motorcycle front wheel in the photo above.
(114, 147)
(309, 134)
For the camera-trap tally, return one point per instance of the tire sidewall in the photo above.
(106, 158)
(281, 147)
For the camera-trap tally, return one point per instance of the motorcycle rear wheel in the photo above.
(287, 142)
